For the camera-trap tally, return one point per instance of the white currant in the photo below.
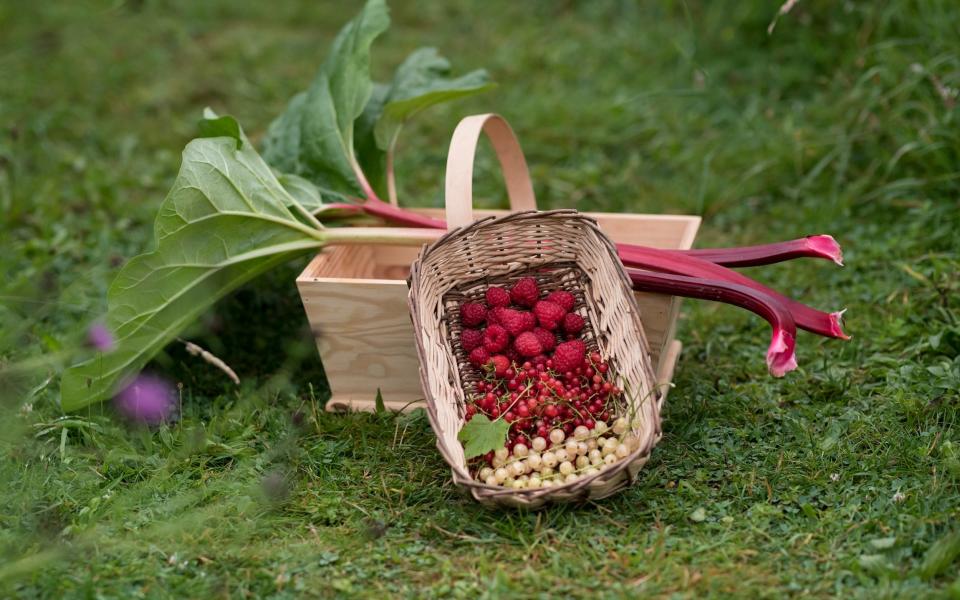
(534, 461)
(557, 436)
(549, 459)
(620, 426)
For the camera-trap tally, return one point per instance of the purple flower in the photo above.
(101, 338)
(148, 399)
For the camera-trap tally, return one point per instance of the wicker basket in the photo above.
(563, 250)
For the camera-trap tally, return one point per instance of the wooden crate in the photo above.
(355, 298)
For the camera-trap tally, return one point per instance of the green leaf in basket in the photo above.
(313, 137)
(481, 435)
(226, 220)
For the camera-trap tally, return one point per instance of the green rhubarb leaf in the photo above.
(372, 159)
(314, 136)
(303, 191)
(225, 221)
(421, 82)
(481, 435)
(213, 125)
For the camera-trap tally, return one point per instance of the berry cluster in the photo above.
(558, 459)
(559, 399)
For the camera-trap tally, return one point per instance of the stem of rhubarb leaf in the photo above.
(814, 246)
(781, 354)
(815, 321)
(667, 261)
(362, 180)
(391, 176)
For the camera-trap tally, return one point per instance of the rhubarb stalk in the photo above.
(781, 356)
(814, 246)
(683, 263)
(815, 321)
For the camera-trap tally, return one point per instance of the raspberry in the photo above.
(494, 314)
(548, 314)
(497, 296)
(495, 338)
(470, 339)
(527, 320)
(525, 292)
(569, 355)
(573, 323)
(472, 314)
(479, 356)
(500, 365)
(565, 299)
(515, 321)
(528, 344)
(547, 339)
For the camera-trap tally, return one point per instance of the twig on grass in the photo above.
(784, 9)
(212, 359)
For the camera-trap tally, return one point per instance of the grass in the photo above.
(835, 481)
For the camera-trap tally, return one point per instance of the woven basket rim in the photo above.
(462, 477)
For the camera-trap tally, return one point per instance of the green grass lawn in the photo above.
(836, 480)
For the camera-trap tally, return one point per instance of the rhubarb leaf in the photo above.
(302, 191)
(225, 221)
(314, 136)
(372, 159)
(213, 125)
(481, 435)
(422, 81)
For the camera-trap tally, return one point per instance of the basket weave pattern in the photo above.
(563, 250)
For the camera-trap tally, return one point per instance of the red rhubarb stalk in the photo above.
(814, 246)
(815, 321)
(666, 261)
(781, 356)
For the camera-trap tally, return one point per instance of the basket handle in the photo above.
(460, 159)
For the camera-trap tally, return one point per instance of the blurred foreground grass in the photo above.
(835, 481)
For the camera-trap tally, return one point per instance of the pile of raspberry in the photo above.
(536, 372)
